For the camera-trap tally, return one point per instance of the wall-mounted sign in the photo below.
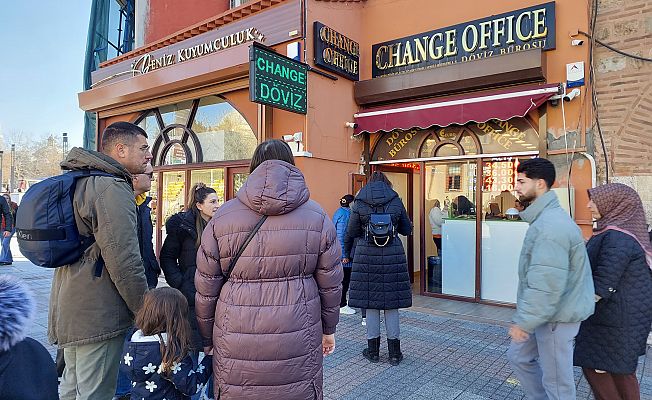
(336, 52)
(575, 74)
(148, 63)
(514, 31)
(276, 80)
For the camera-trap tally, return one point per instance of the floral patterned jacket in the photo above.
(141, 362)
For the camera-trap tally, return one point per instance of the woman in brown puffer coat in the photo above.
(273, 320)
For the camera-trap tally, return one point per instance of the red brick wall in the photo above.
(624, 86)
(168, 16)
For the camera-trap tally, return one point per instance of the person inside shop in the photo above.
(462, 206)
(436, 219)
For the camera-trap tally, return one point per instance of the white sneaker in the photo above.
(346, 310)
(364, 321)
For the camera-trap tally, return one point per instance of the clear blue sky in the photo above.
(42, 45)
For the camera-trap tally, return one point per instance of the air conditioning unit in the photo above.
(238, 3)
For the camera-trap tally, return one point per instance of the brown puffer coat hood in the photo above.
(266, 322)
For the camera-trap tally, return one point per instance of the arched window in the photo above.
(202, 130)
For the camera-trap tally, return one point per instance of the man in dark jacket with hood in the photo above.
(27, 371)
(89, 315)
(142, 185)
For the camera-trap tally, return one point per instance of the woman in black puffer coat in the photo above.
(179, 252)
(379, 275)
(610, 342)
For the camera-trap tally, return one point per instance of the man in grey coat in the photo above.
(555, 290)
(89, 314)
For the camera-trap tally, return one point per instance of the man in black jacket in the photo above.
(8, 225)
(142, 185)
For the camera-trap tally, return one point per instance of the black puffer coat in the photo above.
(179, 261)
(615, 336)
(379, 276)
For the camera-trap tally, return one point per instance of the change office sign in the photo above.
(510, 32)
(276, 80)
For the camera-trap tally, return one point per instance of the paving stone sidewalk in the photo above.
(445, 358)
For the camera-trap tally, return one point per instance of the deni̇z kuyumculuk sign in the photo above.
(276, 80)
(510, 32)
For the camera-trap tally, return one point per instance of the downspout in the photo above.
(594, 178)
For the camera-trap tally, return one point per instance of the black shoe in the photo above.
(5, 263)
(395, 355)
(372, 351)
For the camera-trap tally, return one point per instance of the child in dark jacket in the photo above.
(27, 371)
(158, 358)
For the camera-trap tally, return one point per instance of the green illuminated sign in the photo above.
(276, 80)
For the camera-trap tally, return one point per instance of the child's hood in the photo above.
(16, 310)
(143, 355)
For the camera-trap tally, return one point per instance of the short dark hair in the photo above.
(378, 176)
(120, 132)
(272, 149)
(538, 168)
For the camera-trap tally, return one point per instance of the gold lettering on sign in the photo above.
(147, 63)
(476, 40)
(397, 144)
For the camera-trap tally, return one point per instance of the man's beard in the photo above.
(527, 198)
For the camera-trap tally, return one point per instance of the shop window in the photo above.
(207, 129)
(515, 135)
(448, 142)
(175, 155)
(176, 113)
(222, 131)
(448, 150)
(454, 178)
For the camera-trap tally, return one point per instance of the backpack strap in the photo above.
(244, 246)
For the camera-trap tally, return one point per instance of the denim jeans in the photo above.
(391, 324)
(544, 362)
(5, 255)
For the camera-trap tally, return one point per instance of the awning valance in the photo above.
(501, 105)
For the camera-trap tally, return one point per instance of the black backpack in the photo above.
(380, 230)
(45, 222)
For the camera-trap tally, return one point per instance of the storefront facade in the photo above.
(447, 104)
(451, 109)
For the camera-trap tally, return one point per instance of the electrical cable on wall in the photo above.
(594, 97)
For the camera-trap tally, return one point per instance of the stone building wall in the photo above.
(624, 91)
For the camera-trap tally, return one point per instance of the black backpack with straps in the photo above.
(380, 229)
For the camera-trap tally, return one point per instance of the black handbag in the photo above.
(243, 247)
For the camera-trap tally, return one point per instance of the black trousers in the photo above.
(345, 285)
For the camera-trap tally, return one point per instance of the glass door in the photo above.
(172, 197)
(402, 184)
(450, 218)
(237, 178)
(213, 178)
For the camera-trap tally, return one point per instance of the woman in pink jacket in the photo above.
(273, 319)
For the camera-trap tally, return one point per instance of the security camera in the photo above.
(288, 138)
(351, 125)
(572, 94)
(577, 42)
